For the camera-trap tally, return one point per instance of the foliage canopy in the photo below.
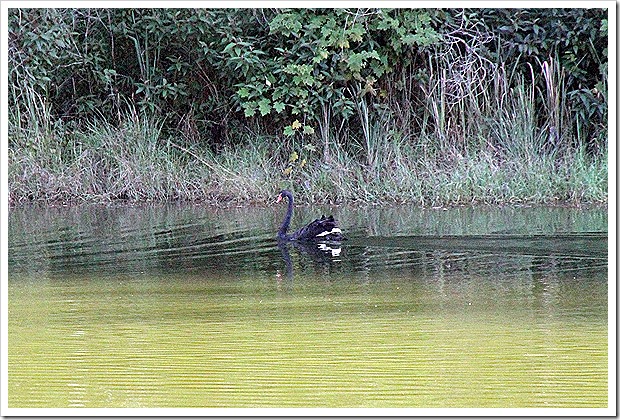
(290, 71)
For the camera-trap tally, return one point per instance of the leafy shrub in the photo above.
(329, 74)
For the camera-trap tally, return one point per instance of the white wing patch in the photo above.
(334, 230)
(335, 251)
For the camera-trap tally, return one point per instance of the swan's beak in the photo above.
(279, 198)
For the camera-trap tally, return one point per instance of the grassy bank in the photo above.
(137, 162)
(427, 107)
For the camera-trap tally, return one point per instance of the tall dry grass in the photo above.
(478, 141)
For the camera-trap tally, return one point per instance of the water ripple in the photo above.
(161, 307)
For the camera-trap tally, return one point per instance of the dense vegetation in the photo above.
(428, 106)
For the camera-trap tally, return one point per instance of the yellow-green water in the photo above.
(161, 308)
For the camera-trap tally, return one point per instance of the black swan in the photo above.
(323, 229)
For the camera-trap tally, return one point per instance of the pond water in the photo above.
(186, 306)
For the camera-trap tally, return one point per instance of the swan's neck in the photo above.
(287, 219)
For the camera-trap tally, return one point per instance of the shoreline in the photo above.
(232, 204)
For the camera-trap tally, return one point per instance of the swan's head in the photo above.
(284, 193)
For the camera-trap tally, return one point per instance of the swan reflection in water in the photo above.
(322, 254)
(334, 250)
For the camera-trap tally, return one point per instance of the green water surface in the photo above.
(190, 307)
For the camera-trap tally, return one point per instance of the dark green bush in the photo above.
(209, 72)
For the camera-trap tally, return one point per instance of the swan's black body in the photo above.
(323, 229)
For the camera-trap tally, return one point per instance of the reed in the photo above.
(473, 148)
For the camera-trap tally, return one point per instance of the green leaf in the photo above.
(308, 129)
(264, 107)
(228, 47)
(279, 106)
(243, 92)
(356, 62)
(249, 108)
